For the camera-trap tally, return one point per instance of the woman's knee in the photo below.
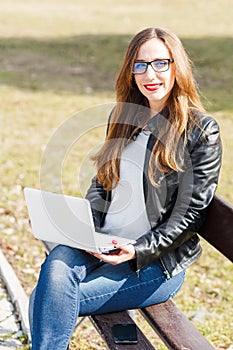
(55, 271)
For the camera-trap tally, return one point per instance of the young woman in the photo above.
(157, 172)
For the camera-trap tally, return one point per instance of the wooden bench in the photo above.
(170, 324)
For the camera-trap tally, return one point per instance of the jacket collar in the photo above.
(156, 123)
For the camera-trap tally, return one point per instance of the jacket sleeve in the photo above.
(196, 188)
(100, 201)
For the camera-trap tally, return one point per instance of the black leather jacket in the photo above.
(176, 209)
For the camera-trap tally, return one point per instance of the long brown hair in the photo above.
(182, 99)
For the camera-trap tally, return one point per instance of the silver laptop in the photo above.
(67, 220)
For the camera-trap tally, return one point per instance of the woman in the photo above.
(156, 175)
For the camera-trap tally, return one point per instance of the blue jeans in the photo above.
(73, 283)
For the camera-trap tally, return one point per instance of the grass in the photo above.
(59, 60)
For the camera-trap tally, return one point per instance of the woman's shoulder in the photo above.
(202, 120)
(202, 126)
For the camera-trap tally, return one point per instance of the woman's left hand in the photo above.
(122, 254)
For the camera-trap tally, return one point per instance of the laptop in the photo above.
(67, 220)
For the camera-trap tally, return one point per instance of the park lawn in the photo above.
(52, 70)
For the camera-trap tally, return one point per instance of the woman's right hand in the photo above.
(123, 253)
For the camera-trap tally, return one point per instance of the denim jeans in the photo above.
(73, 283)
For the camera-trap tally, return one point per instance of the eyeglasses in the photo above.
(159, 65)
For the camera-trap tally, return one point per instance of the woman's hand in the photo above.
(122, 254)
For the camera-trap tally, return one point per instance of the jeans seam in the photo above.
(72, 316)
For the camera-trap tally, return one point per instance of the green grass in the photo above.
(60, 59)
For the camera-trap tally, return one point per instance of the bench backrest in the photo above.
(218, 227)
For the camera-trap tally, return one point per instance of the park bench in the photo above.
(175, 330)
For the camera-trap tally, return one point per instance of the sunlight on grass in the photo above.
(60, 59)
(64, 18)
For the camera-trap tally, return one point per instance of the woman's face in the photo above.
(155, 86)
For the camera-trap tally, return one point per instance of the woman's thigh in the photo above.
(112, 288)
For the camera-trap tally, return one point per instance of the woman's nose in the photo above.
(150, 72)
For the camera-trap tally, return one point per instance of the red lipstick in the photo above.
(152, 87)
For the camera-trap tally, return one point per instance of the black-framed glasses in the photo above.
(159, 65)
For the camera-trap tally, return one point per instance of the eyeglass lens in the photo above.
(157, 65)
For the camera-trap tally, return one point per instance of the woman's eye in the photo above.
(160, 63)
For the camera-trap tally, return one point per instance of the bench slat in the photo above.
(218, 227)
(104, 323)
(174, 328)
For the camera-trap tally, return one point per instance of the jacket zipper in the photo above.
(138, 274)
(166, 273)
